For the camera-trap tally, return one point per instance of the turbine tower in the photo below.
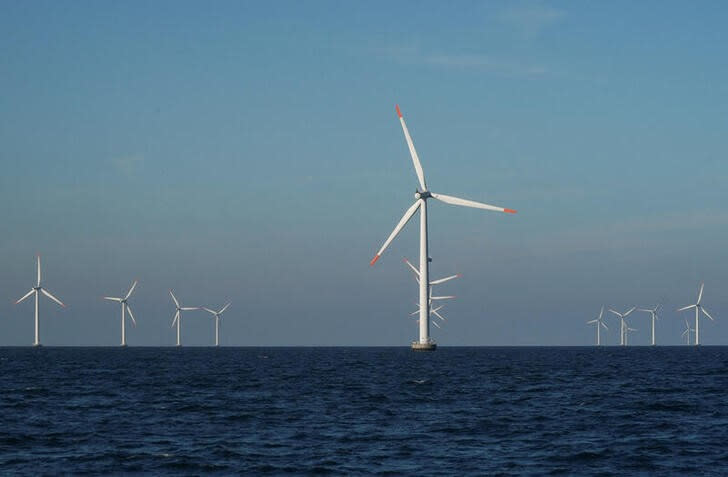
(124, 308)
(600, 324)
(422, 194)
(178, 315)
(36, 290)
(698, 308)
(623, 325)
(216, 315)
(653, 313)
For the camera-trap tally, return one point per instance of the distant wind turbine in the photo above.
(433, 311)
(124, 308)
(35, 291)
(599, 323)
(216, 315)
(178, 315)
(698, 308)
(687, 331)
(653, 313)
(626, 333)
(623, 324)
(422, 194)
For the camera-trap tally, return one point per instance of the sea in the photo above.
(364, 411)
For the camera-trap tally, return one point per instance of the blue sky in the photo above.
(251, 152)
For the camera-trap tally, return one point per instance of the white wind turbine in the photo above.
(653, 313)
(627, 329)
(600, 323)
(422, 194)
(623, 325)
(687, 331)
(35, 291)
(124, 308)
(216, 315)
(698, 308)
(178, 315)
(433, 311)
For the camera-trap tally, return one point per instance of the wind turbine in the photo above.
(698, 308)
(687, 331)
(626, 333)
(124, 308)
(36, 290)
(178, 315)
(623, 324)
(600, 324)
(653, 313)
(422, 194)
(433, 311)
(217, 314)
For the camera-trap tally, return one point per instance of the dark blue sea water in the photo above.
(364, 411)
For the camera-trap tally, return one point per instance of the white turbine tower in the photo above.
(35, 291)
(178, 315)
(653, 313)
(425, 343)
(433, 311)
(216, 315)
(623, 324)
(124, 308)
(598, 321)
(687, 331)
(698, 308)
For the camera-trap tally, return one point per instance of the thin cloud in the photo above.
(531, 21)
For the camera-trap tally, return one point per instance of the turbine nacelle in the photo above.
(423, 195)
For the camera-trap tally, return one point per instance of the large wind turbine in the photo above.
(653, 313)
(124, 308)
(216, 314)
(623, 324)
(35, 291)
(178, 315)
(600, 324)
(422, 194)
(698, 308)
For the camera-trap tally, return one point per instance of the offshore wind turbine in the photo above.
(653, 313)
(626, 333)
(698, 308)
(124, 308)
(36, 290)
(216, 315)
(422, 194)
(687, 331)
(178, 315)
(600, 324)
(623, 324)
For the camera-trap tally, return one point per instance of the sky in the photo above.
(250, 152)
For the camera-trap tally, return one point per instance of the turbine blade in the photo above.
(470, 203)
(26, 295)
(605, 326)
(592, 321)
(630, 311)
(700, 293)
(175, 318)
(208, 310)
(685, 332)
(446, 279)
(131, 290)
(615, 312)
(706, 313)
(224, 308)
(402, 222)
(686, 307)
(434, 312)
(48, 294)
(174, 298)
(601, 313)
(435, 323)
(414, 269)
(112, 298)
(415, 312)
(131, 315)
(448, 297)
(413, 152)
(190, 308)
(38, 261)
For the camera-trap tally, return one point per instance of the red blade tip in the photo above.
(509, 211)
(399, 113)
(374, 260)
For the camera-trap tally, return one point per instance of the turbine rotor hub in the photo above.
(423, 195)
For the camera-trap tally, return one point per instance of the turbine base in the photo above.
(417, 346)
